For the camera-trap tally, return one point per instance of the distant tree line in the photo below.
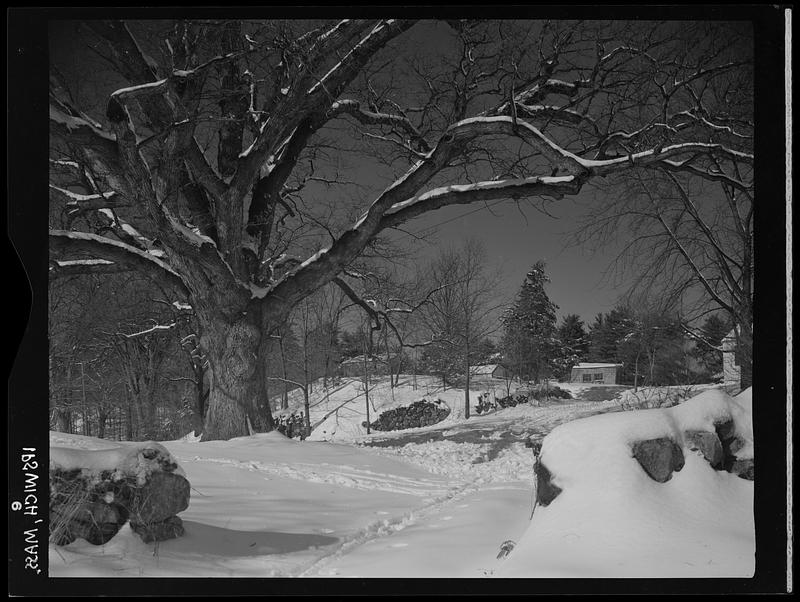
(125, 363)
(652, 345)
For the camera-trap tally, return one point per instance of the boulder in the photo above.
(170, 528)
(162, 496)
(708, 444)
(736, 445)
(659, 458)
(725, 430)
(95, 506)
(744, 468)
(731, 445)
(546, 490)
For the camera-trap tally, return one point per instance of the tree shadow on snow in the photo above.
(200, 538)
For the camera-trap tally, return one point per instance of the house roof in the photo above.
(731, 335)
(485, 368)
(594, 365)
(359, 359)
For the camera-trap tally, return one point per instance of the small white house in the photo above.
(488, 371)
(604, 374)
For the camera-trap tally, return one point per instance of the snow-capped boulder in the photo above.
(708, 444)
(659, 458)
(97, 486)
(616, 496)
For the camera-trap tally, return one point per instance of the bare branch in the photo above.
(119, 253)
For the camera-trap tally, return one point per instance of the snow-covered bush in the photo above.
(648, 398)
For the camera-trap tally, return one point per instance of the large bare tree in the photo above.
(225, 158)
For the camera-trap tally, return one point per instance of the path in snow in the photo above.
(469, 529)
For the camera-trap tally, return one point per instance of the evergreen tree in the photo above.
(442, 360)
(648, 344)
(529, 341)
(573, 345)
(607, 334)
(707, 352)
(486, 352)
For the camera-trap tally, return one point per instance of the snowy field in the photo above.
(441, 501)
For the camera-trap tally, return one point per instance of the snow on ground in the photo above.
(432, 502)
(611, 519)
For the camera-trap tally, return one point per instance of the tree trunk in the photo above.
(466, 394)
(285, 393)
(366, 384)
(237, 402)
(102, 417)
(129, 418)
(200, 399)
(744, 352)
(307, 418)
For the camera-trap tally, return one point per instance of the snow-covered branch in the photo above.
(458, 194)
(99, 247)
(354, 108)
(77, 203)
(98, 147)
(155, 328)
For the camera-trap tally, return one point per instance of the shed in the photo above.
(355, 366)
(489, 371)
(606, 374)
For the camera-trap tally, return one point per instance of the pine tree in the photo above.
(529, 341)
(707, 352)
(608, 332)
(573, 345)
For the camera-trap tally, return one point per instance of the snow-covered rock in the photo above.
(97, 486)
(613, 519)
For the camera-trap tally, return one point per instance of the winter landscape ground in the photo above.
(453, 499)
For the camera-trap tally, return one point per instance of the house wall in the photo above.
(499, 372)
(356, 369)
(609, 375)
(731, 372)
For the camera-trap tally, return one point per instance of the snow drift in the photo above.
(612, 520)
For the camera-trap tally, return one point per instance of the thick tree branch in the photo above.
(553, 187)
(69, 243)
(99, 149)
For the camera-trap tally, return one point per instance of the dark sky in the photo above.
(515, 241)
